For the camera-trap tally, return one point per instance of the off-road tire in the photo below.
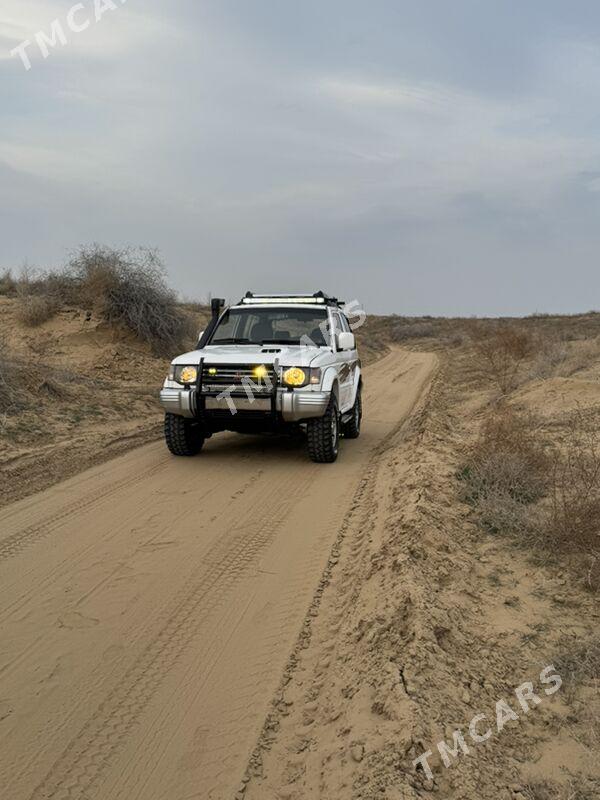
(351, 429)
(324, 435)
(183, 436)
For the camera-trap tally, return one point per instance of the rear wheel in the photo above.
(351, 429)
(183, 436)
(324, 435)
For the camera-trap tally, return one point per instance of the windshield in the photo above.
(273, 326)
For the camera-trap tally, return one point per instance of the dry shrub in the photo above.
(550, 496)
(576, 788)
(507, 471)
(41, 295)
(51, 388)
(412, 330)
(507, 456)
(502, 353)
(581, 354)
(127, 287)
(578, 661)
(8, 285)
(574, 516)
(551, 353)
(7, 384)
(11, 394)
(35, 309)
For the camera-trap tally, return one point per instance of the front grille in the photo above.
(218, 377)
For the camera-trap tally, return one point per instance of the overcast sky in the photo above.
(426, 157)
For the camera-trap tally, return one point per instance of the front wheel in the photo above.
(183, 436)
(324, 435)
(351, 428)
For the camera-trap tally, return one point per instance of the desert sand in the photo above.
(149, 605)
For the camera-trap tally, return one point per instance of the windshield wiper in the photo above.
(231, 340)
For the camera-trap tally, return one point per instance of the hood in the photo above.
(290, 356)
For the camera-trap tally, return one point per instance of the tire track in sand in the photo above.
(17, 542)
(81, 764)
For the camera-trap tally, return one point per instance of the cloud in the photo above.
(113, 33)
(402, 96)
(426, 157)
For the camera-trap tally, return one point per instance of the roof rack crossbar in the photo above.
(316, 297)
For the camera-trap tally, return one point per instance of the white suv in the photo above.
(266, 365)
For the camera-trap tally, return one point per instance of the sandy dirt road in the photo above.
(149, 605)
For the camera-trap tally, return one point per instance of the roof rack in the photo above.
(302, 299)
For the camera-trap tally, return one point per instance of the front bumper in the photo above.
(298, 405)
(179, 401)
(294, 406)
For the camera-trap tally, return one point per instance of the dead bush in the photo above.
(51, 388)
(412, 330)
(580, 355)
(7, 383)
(35, 309)
(502, 353)
(499, 512)
(507, 469)
(578, 661)
(551, 354)
(50, 289)
(127, 288)
(11, 393)
(549, 495)
(576, 788)
(8, 285)
(574, 516)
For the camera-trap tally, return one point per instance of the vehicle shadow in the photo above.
(248, 446)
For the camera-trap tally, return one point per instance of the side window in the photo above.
(345, 324)
(337, 324)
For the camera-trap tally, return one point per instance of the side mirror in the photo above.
(346, 341)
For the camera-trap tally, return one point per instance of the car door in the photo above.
(354, 361)
(345, 361)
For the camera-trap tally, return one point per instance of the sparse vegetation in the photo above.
(8, 285)
(127, 287)
(7, 384)
(412, 330)
(550, 354)
(547, 494)
(507, 470)
(574, 517)
(10, 393)
(541, 485)
(124, 287)
(502, 352)
(574, 789)
(579, 661)
(35, 309)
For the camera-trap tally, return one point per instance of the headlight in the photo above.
(185, 374)
(294, 376)
(297, 376)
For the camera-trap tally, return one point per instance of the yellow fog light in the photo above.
(188, 375)
(260, 372)
(212, 371)
(294, 376)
